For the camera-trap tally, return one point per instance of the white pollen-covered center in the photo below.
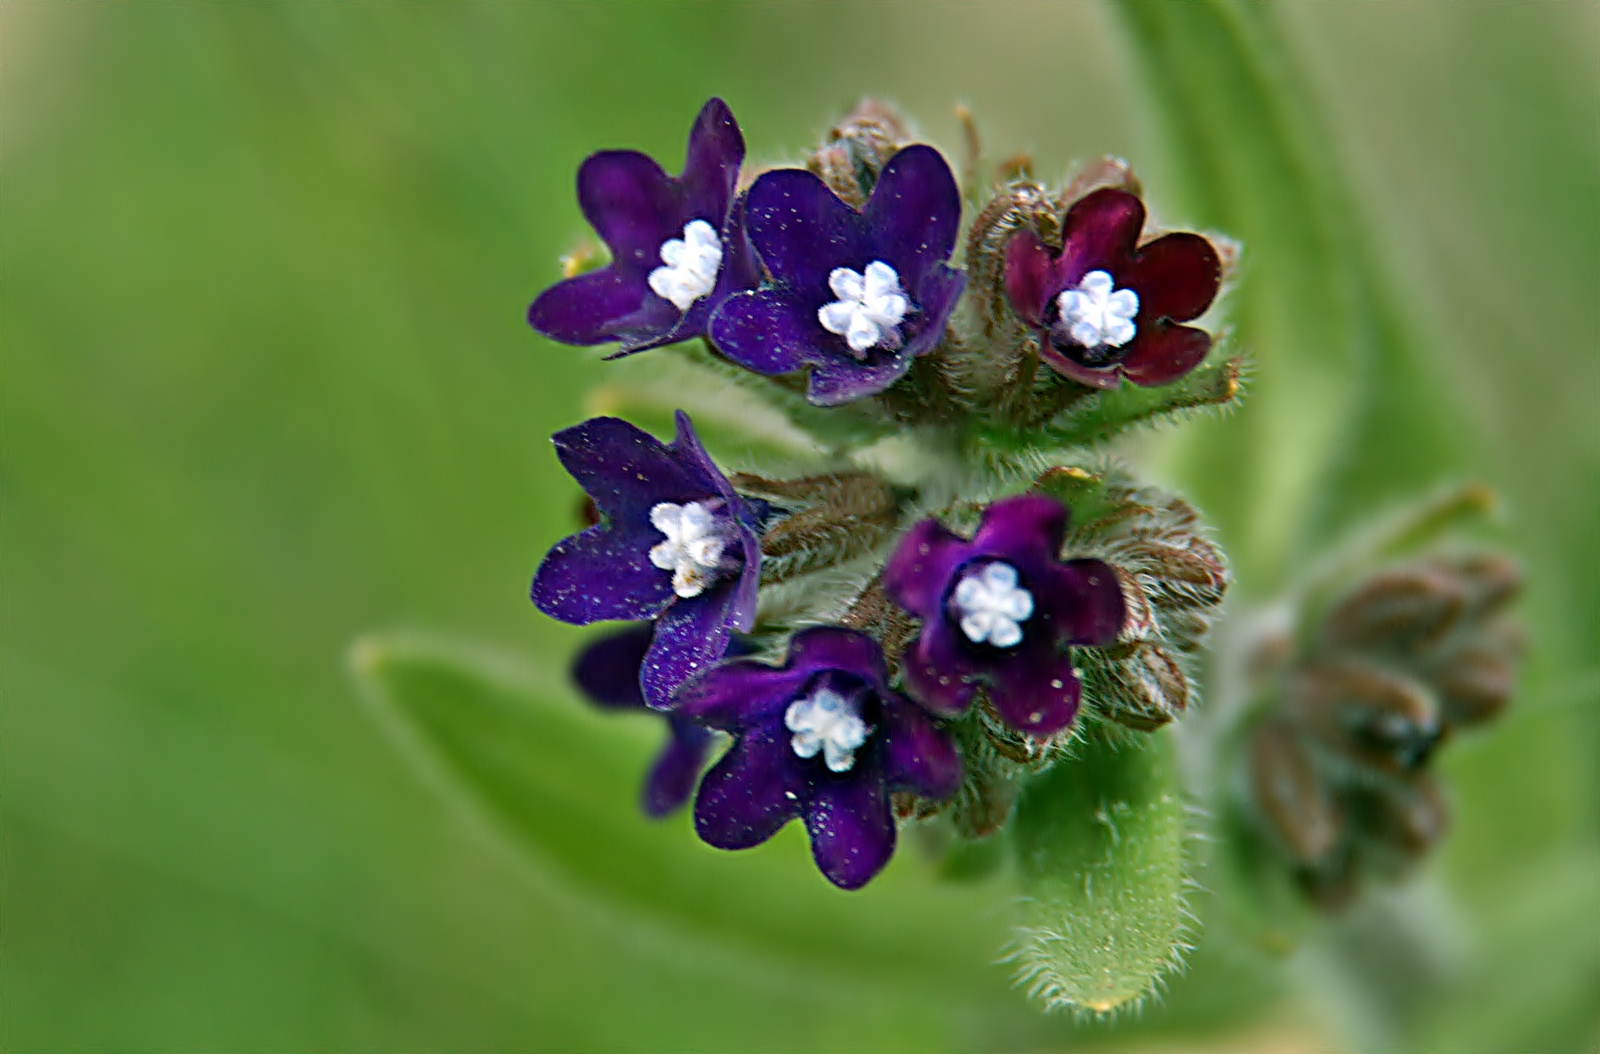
(870, 307)
(691, 265)
(826, 721)
(693, 549)
(992, 607)
(1095, 315)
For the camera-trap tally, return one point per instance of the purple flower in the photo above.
(1000, 611)
(607, 671)
(678, 247)
(677, 545)
(854, 295)
(1109, 308)
(821, 737)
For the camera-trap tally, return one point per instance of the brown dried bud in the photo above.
(1020, 206)
(1103, 172)
(1406, 817)
(1490, 580)
(1405, 608)
(1291, 795)
(1372, 716)
(856, 150)
(1474, 681)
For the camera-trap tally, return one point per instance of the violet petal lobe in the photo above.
(632, 204)
(607, 671)
(1177, 276)
(764, 330)
(851, 827)
(1023, 523)
(937, 295)
(822, 648)
(691, 634)
(838, 380)
(751, 792)
(1162, 353)
(915, 576)
(598, 575)
(583, 310)
(802, 231)
(741, 693)
(916, 755)
(1098, 233)
(627, 471)
(914, 212)
(1030, 276)
(1096, 610)
(711, 163)
(938, 670)
(1036, 690)
(671, 781)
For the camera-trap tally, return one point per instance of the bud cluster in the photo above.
(1339, 760)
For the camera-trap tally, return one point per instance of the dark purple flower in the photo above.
(1109, 307)
(677, 545)
(678, 247)
(854, 295)
(607, 671)
(1001, 611)
(821, 737)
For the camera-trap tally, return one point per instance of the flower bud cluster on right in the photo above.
(885, 637)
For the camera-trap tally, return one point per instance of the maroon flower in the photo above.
(1002, 610)
(1108, 307)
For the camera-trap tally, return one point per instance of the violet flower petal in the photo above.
(736, 695)
(751, 792)
(584, 309)
(598, 575)
(607, 671)
(711, 164)
(916, 574)
(916, 755)
(764, 330)
(823, 648)
(627, 471)
(691, 635)
(836, 381)
(851, 827)
(802, 231)
(1160, 354)
(1096, 610)
(1036, 691)
(1019, 525)
(632, 204)
(938, 669)
(672, 778)
(1105, 377)
(916, 209)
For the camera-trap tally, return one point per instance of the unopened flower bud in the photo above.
(1372, 716)
(1404, 608)
(1291, 795)
(1406, 817)
(856, 150)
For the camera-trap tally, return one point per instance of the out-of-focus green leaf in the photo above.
(1333, 421)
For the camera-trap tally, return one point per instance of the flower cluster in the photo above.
(918, 628)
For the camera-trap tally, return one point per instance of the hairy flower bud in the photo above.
(857, 148)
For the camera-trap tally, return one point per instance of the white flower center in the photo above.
(826, 721)
(1097, 317)
(693, 549)
(992, 606)
(870, 307)
(691, 265)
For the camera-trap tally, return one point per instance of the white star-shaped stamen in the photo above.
(828, 722)
(992, 606)
(1097, 317)
(869, 310)
(693, 549)
(691, 265)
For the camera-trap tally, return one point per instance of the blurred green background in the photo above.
(267, 388)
